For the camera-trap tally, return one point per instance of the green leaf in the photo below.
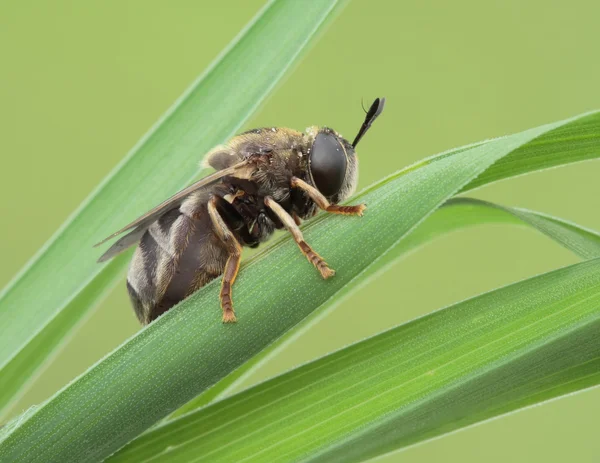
(569, 146)
(459, 213)
(504, 350)
(188, 350)
(534, 156)
(456, 214)
(23, 368)
(63, 281)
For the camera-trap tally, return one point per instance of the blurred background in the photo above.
(81, 82)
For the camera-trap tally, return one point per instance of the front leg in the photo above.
(291, 226)
(322, 202)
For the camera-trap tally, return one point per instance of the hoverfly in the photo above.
(265, 179)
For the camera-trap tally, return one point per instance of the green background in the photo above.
(81, 82)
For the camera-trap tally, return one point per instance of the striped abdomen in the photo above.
(177, 255)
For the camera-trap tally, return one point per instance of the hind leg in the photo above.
(233, 261)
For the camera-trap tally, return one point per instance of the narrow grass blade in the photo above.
(188, 350)
(571, 143)
(498, 352)
(25, 366)
(212, 110)
(460, 213)
(455, 215)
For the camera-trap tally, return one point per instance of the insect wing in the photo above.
(124, 243)
(241, 170)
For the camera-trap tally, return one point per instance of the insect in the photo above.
(265, 179)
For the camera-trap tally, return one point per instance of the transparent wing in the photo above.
(124, 243)
(242, 170)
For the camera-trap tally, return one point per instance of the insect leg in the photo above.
(322, 202)
(291, 226)
(297, 219)
(233, 262)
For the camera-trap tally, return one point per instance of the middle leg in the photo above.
(291, 226)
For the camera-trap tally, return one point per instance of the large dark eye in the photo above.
(327, 163)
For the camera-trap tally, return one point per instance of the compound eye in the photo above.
(328, 164)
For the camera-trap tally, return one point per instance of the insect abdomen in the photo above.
(176, 256)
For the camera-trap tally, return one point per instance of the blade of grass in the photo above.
(456, 214)
(501, 351)
(213, 109)
(25, 367)
(459, 213)
(188, 350)
(570, 145)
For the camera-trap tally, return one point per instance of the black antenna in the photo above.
(374, 111)
(362, 105)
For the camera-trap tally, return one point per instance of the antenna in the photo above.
(374, 111)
